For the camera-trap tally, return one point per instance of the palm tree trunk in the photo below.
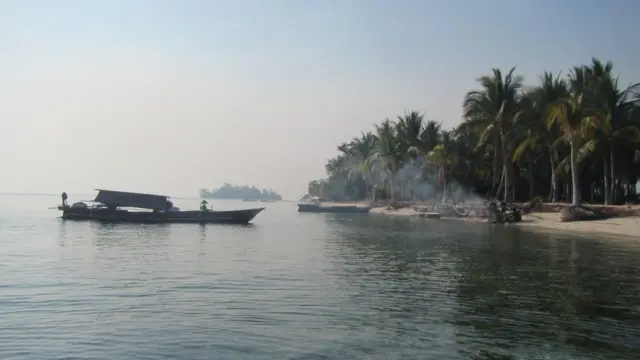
(386, 188)
(554, 156)
(614, 193)
(500, 185)
(607, 186)
(505, 166)
(444, 186)
(531, 187)
(366, 189)
(553, 196)
(494, 181)
(575, 181)
(391, 192)
(514, 181)
(414, 190)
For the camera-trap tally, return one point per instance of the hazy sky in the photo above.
(171, 96)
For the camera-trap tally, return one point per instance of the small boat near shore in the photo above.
(316, 205)
(112, 206)
(335, 209)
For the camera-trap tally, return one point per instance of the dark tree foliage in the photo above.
(228, 191)
(570, 138)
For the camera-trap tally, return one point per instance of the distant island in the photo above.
(228, 191)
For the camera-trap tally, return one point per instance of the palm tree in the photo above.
(387, 153)
(419, 141)
(430, 136)
(533, 126)
(531, 135)
(363, 148)
(441, 159)
(493, 108)
(408, 130)
(571, 116)
(618, 125)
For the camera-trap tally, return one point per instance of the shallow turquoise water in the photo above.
(309, 286)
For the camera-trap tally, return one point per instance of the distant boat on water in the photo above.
(112, 206)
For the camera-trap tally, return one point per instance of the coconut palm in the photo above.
(441, 159)
(576, 125)
(535, 136)
(363, 149)
(388, 153)
(494, 106)
(618, 126)
(408, 130)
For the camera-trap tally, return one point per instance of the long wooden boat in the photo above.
(335, 209)
(111, 206)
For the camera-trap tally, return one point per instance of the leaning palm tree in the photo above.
(576, 124)
(493, 108)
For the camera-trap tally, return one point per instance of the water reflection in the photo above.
(201, 241)
(502, 290)
(62, 233)
(108, 234)
(572, 300)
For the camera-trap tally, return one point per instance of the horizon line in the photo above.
(80, 194)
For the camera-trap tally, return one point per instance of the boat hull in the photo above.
(190, 217)
(332, 209)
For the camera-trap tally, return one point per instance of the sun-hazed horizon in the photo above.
(170, 97)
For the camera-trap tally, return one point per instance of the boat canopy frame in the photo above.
(131, 199)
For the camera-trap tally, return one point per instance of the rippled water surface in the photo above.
(309, 286)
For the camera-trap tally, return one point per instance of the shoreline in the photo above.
(626, 226)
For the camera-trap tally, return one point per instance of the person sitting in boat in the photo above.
(64, 199)
(203, 205)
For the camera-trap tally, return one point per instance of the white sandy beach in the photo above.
(621, 226)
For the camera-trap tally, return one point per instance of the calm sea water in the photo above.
(309, 286)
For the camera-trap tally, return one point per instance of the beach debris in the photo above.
(582, 213)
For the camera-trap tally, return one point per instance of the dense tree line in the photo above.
(228, 191)
(569, 138)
